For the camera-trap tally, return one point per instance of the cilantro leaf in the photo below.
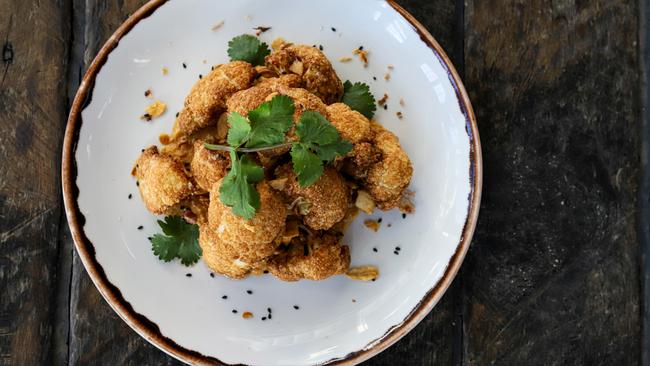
(237, 190)
(239, 129)
(270, 121)
(248, 48)
(319, 141)
(358, 97)
(307, 165)
(180, 240)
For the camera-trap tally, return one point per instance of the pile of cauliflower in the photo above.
(297, 232)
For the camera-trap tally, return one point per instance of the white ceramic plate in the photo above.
(338, 320)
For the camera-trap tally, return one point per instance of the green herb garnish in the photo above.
(265, 129)
(180, 240)
(248, 48)
(238, 190)
(358, 97)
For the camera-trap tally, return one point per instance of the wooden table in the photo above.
(553, 276)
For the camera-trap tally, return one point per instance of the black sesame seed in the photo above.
(374, 250)
(249, 292)
(150, 238)
(184, 65)
(320, 47)
(270, 316)
(398, 248)
(296, 307)
(374, 78)
(224, 297)
(137, 183)
(403, 215)
(360, 48)
(234, 311)
(130, 196)
(211, 274)
(142, 150)
(373, 280)
(396, 252)
(379, 220)
(263, 318)
(177, 114)
(140, 227)
(333, 29)
(211, 67)
(200, 76)
(385, 107)
(269, 310)
(266, 271)
(188, 275)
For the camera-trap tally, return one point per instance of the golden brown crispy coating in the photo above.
(362, 157)
(218, 262)
(318, 259)
(327, 199)
(207, 99)
(352, 125)
(316, 71)
(162, 181)
(387, 180)
(254, 239)
(208, 166)
(288, 80)
(304, 100)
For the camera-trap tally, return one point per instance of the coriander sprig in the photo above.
(179, 240)
(358, 97)
(248, 48)
(265, 128)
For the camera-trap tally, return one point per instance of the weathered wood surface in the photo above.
(552, 277)
(34, 37)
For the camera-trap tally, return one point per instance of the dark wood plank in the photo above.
(552, 276)
(97, 335)
(34, 37)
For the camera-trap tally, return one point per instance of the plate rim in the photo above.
(147, 328)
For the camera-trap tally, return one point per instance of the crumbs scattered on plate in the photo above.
(154, 110)
(372, 224)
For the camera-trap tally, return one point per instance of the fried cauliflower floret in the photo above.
(215, 259)
(362, 157)
(251, 240)
(288, 80)
(207, 99)
(317, 73)
(303, 100)
(387, 180)
(318, 259)
(326, 200)
(208, 166)
(161, 180)
(351, 125)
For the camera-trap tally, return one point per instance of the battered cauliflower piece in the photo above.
(351, 125)
(316, 71)
(246, 100)
(318, 259)
(387, 180)
(207, 99)
(208, 166)
(326, 200)
(251, 240)
(215, 259)
(303, 100)
(162, 181)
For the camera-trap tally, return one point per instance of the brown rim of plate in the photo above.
(148, 329)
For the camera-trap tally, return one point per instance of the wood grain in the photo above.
(32, 111)
(552, 276)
